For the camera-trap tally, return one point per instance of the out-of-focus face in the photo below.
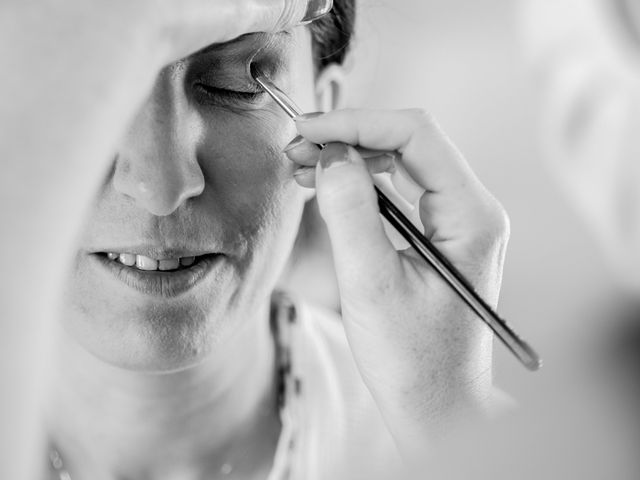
(196, 218)
(599, 168)
(585, 56)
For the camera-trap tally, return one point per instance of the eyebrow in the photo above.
(249, 43)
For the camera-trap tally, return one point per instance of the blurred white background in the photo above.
(463, 61)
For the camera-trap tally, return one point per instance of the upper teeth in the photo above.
(146, 263)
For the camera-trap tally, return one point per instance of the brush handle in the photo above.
(458, 282)
(426, 249)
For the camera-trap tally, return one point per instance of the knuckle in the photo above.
(496, 226)
(504, 224)
(500, 222)
(421, 118)
(490, 226)
(496, 217)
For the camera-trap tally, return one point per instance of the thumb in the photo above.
(349, 206)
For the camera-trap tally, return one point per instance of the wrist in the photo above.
(439, 394)
(425, 417)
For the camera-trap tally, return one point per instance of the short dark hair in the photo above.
(332, 34)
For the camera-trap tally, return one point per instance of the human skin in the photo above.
(202, 173)
(590, 101)
(425, 358)
(198, 172)
(62, 119)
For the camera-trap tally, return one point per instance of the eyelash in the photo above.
(218, 95)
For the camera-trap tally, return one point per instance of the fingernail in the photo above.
(308, 116)
(303, 171)
(333, 155)
(316, 9)
(296, 142)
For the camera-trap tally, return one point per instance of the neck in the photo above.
(190, 424)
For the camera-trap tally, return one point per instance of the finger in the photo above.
(349, 207)
(428, 155)
(405, 185)
(305, 176)
(303, 152)
(382, 163)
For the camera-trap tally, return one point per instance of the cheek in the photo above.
(244, 167)
(245, 148)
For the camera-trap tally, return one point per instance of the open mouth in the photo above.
(148, 264)
(164, 277)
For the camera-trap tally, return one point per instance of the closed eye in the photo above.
(217, 94)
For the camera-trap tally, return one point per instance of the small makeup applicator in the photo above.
(527, 356)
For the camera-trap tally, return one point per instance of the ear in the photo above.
(330, 88)
(329, 95)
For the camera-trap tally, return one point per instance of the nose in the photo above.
(157, 163)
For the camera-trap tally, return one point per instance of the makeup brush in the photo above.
(527, 356)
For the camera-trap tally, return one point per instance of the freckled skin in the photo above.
(239, 199)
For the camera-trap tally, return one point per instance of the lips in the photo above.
(168, 276)
(142, 262)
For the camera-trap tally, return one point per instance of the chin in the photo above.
(152, 337)
(141, 331)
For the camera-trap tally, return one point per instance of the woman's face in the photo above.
(200, 174)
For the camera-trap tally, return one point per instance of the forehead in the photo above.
(252, 42)
(275, 47)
